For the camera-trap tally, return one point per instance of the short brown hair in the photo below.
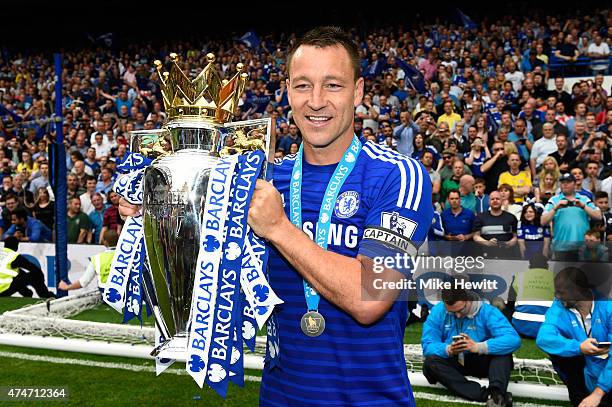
(328, 36)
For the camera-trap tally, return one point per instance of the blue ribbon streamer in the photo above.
(227, 343)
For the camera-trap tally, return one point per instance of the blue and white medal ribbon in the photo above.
(313, 323)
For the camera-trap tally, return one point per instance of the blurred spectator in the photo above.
(96, 217)
(105, 184)
(569, 213)
(42, 178)
(542, 148)
(78, 222)
(90, 189)
(533, 238)
(44, 208)
(111, 219)
(482, 199)
(593, 249)
(564, 156)
(404, 133)
(509, 201)
(293, 137)
(27, 229)
(495, 230)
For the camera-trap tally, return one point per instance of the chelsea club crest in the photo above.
(347, 204)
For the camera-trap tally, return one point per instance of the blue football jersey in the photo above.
(384, 203)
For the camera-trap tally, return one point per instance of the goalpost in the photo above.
(46, 326)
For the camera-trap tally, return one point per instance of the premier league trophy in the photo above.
(202, 270)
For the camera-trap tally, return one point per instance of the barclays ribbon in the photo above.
(126, 252)
(133, 302)
(203, 304)
(133, 161)
(123, 291)
(259, 294)
(226, 347)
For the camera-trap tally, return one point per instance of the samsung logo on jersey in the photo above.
(339, 235)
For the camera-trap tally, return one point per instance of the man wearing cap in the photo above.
(569, 213)
(446, 171)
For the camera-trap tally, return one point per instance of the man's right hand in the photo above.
(562, 204)
(127, 209)
(589, 347)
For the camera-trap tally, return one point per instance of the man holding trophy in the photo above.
(333, 208)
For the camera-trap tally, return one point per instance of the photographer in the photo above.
(451, 354)
(573, 334)
(569, 213)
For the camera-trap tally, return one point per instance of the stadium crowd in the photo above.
(471, 103)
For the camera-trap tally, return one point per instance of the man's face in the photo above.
(519, 127)
(79, 167)
(561, 143)
(97, 202)
(550, 116)
(472, 132)
(458, 168)
(559, 83)
(514, 161)
(17, 221)
(7, 183)
(591, 121)
(387, 131)
(459, 308)
(454, 200)
(427, 159)
(495, 200)
(568, 187)
(323, 93)
(577, 173)
(90, 185)
(17, 181)
(75, 205)
(592, 169)
(11, 204)
(548, 130)
(114, 198)
(479, 189)
(72, 182)
(44, 170)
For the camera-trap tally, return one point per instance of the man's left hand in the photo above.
(592, 400)
(266, 212)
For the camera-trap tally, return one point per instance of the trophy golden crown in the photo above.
(206, 97)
